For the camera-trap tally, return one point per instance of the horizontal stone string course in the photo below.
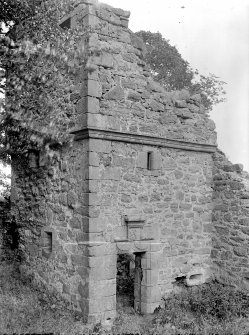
(142, 139)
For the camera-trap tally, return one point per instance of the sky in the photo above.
(213, 36)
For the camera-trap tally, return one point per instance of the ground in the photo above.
(24, 309)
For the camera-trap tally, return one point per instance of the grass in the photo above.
(23, 309)
(207, 310)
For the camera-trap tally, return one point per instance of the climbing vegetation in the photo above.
(38, 64)
(39, 60)
(174, 73)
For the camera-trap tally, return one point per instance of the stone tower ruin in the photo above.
(139, 180)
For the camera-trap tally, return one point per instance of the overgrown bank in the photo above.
(209, 309)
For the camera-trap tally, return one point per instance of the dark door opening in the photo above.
(129, 279)
(125, 282)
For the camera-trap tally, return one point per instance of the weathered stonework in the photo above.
(230, 252)
(137, 179)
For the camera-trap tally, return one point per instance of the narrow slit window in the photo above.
(47, 244)
(149, 160)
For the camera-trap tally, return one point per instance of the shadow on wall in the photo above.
(9, 236)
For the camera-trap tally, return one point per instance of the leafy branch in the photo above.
(174, 73)
(39, 61)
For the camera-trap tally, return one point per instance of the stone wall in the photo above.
(138, 178)
(118, 93)
(50, 207)
(173, 201)
(230, 252)
(127, 115)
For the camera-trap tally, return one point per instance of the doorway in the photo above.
(129, 282)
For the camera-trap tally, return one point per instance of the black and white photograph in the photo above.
(124, 167)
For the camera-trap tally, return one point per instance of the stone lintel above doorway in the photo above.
(131, 247)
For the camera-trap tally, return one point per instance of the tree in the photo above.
(211, 89)
(174, 73)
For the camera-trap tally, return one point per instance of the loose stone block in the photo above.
(197, 277)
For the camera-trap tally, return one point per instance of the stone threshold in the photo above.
(111, 135)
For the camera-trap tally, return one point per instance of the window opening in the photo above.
(125, 282)
(47, 244)
(66, 24)
(149, 160)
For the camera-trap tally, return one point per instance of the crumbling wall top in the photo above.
(116, 16)
(118, 93)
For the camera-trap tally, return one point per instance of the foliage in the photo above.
(165, 61)
(4, 184)
(211, 304)
(13, 12)
(9, 231)
(39, 62)
(125, 279)
(174, 73)
(211, 89)
(16, 12)
(23, 309)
